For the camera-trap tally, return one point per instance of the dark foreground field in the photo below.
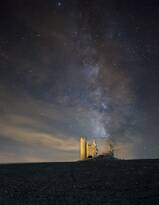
(88, 182)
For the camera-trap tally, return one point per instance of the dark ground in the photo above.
(89, 182)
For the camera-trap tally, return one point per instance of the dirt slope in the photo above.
(91, 182)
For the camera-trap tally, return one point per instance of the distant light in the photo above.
(59, 3)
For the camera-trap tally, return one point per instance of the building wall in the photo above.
(91, 150)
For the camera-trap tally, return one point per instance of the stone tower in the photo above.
(83, 149)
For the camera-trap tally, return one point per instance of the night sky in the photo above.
(72, 68)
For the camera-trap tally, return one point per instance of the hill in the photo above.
(91, 182)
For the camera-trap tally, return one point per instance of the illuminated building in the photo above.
(87, 150)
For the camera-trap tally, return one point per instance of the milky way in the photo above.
(78, 68)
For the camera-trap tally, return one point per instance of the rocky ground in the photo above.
(91, 182)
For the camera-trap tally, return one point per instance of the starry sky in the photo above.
(78, 67)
